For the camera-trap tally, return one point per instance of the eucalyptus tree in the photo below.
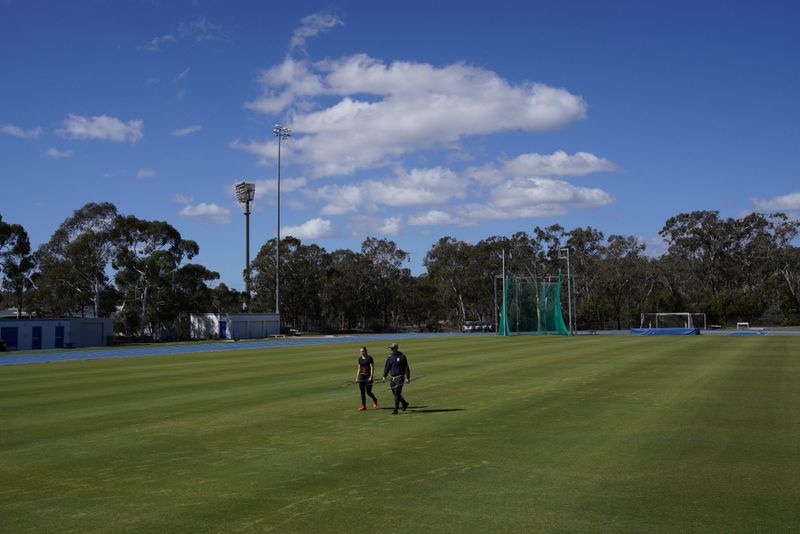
(73, 264)
(303, 270)
(302, 281)
(586, 249)
(148, 256)
(447, 264)
(736, 269)
(386, 261)
(420, 303)
(16, 262)
(623, 279)
(347, 289)
(225, 300)
(770, 264)
(188, 293)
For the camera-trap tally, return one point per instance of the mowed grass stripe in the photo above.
(505, 434)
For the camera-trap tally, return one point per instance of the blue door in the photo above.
(36, 338)
(223, 330)
(59, 337)
(9, 336)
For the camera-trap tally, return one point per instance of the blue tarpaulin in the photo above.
(665, 331)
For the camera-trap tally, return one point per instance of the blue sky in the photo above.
(411, 120)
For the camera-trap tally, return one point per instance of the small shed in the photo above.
(67, 332)
(235, 325)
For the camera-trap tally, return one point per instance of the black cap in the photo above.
(393, 346)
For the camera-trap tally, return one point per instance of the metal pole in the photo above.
(247, 255)
(569, 297)
(496, 311)
(505, 297)
(245, 193)
(278, 242)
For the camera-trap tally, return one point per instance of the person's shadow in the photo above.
(424, 409)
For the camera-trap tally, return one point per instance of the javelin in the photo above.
(404, 382)
(372, 382)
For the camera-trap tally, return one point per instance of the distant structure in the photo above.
(64, 333)
(235, 326)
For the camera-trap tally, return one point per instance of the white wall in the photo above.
(239, 325)
(79, 332)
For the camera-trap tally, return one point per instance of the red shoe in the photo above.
(362, 408)
(375, 404)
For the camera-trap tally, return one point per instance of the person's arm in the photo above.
(358, 368)
(371, 370)
(408, 372)
(386, 368)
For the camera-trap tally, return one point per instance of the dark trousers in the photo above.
(397, 390)
(366, 389)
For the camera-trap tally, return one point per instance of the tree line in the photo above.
(100, 262)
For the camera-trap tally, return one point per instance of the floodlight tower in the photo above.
(282, 133)
(563, 254)
(245, 193)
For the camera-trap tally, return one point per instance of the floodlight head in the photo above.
(563, 253)
(281, 132)
(245, 192)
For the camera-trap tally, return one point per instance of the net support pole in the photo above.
(563, 253)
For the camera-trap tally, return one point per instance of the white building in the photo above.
(70, 332)
(235, 325)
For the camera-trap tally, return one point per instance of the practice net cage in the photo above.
(531, 306)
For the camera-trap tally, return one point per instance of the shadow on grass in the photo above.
(422, 409)
(439, 410)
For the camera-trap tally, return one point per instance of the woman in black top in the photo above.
(364, 371)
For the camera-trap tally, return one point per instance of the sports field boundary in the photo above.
(172, 350)
(101, 353)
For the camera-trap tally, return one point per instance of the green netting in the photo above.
(531, 308)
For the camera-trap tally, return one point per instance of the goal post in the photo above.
(673, 320)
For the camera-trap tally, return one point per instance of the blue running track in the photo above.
(156, 350)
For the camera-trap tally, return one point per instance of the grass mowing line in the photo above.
(570, 443)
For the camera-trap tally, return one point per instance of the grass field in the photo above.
(523, 434)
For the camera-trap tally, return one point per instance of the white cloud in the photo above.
(520, 198)
(313, 229)
(156, 43)
(531, 192)
(183, 199)
(267, 151)
(145, 173)
(557, 164)
(390, 226)
(284, 83)
(419, 187)
(207, 213)
(341, 199)
(311, 26)
(788, 202)
(181, 75)
(189, 130)
(387, 111)
(102, 127)
(269, 188)
(54, 153)
(16, 131)
(432, 218)
(198, 30)
(489, 174)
